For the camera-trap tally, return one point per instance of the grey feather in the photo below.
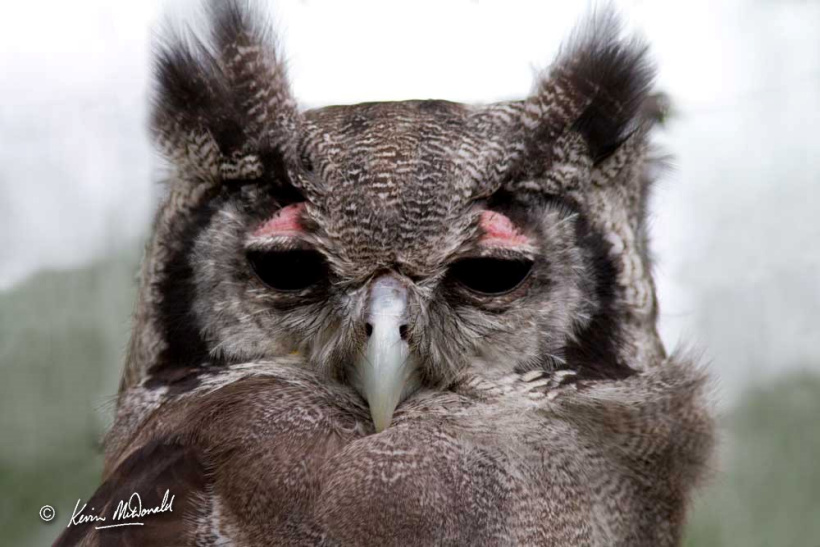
(548, 413)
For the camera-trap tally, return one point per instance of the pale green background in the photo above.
(735, 224)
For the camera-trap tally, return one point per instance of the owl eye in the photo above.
(292, 270)
(490, 276)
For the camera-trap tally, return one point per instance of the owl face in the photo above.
(394, 246)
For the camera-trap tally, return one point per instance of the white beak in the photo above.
(385, 368)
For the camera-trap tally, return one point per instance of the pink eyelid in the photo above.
(286, 222)
(499, 231)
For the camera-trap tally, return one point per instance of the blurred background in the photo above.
(736, 222)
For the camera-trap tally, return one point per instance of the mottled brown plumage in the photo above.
(407, 323)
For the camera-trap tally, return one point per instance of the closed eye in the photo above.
(288, 270)
(490, 276)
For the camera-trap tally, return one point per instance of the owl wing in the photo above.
(266, 454)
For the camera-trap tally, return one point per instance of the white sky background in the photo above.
(736, 225)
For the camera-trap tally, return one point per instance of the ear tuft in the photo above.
(243, 37)
(597, 85)
(616, 76)
(225, 100)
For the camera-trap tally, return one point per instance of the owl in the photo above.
(401, 323)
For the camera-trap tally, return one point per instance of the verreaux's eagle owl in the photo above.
(401, 323)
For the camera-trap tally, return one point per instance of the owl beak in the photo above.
(385, 368)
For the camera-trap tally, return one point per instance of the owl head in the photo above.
(396, 246)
